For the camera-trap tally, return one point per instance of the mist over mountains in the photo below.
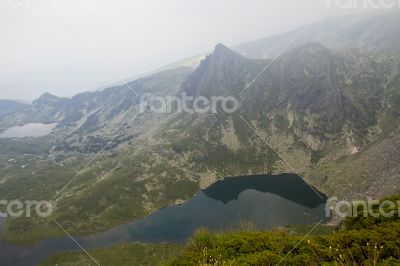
(331, 104)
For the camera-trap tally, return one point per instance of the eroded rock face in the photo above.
(333, 114)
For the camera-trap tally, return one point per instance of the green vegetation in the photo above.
(120, 186)
(115, 190)
(18, 146)
(316, 156)
(361, 241)
(160, 160)
(124, 254)
(358, 241)
(203, 143)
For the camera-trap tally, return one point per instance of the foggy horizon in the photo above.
(187, 132)
(75, 50)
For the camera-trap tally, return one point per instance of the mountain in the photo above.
(223, 73)
(43, 110)
(319, 107)
(317, 90)
(331, 110)
(100, 113)
(376, 31)
(9, 106)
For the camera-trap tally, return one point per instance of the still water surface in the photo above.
(28, 130)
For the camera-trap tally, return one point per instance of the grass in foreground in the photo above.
(359, 241)
(132, 254)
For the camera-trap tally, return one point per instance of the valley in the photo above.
(326, 111)
(226, 205)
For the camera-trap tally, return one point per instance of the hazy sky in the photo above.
(41, 47)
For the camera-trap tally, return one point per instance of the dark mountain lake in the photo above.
(265, 200)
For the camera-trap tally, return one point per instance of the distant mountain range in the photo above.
(376, 31)
(330, 106)
(8, 107)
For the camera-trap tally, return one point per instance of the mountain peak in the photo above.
(217, 72)
(222, 50)
(221, 57)
(47, 95)
(48, 99)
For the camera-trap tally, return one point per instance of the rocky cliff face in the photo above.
(315, 105)
(223, 73)
(318, 94)
(332, 113)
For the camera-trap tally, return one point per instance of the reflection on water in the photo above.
(267, 201)
(28, 130)
(288, 186)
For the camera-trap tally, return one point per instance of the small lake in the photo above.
(28, 130)
(265, 200)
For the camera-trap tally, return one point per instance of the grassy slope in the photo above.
(124, 254)
(116, 189)
(360, 241)
(119, 188)
(373, 171)
(123, 187)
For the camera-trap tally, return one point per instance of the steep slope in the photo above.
(314, 105)
(89, 120)
(8, 107)
(320, 93)
(376, 31)
(323, 111)
(333, 114)
(92, 120)
(45, 109)
(223, 73)
(133, 176)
